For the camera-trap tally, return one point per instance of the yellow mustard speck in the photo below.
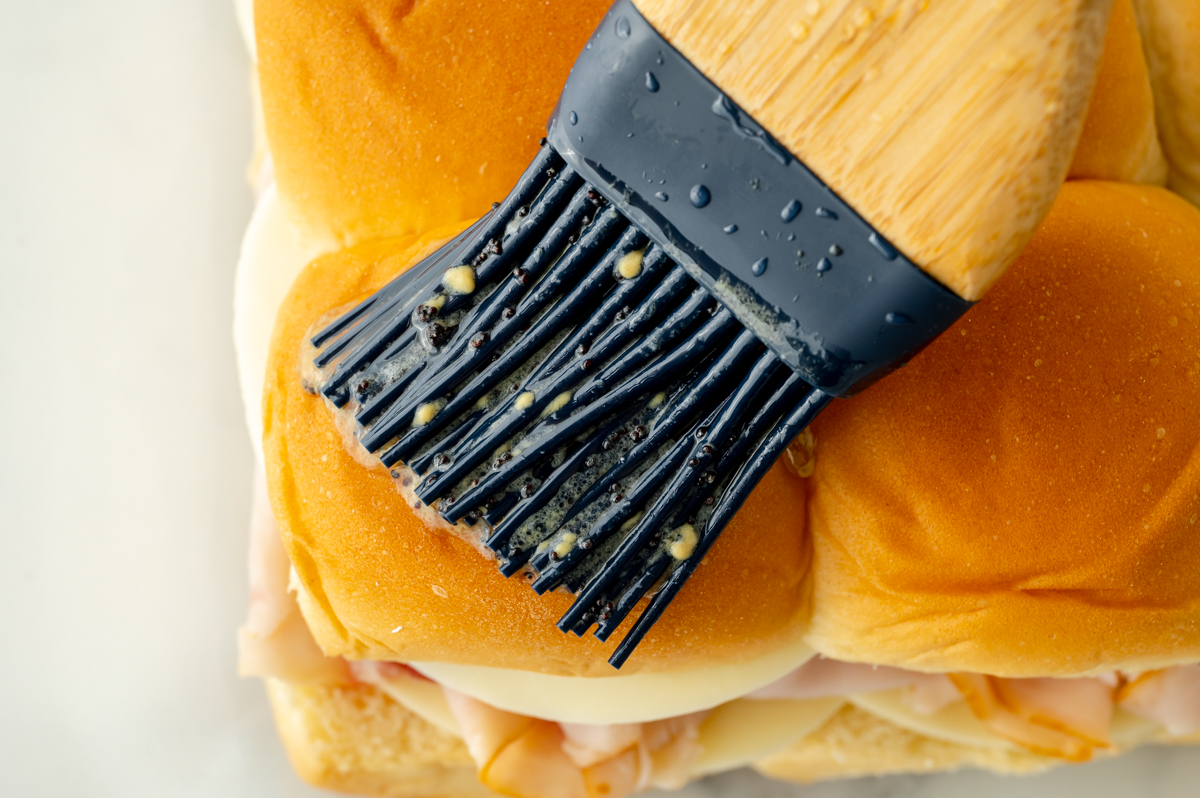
(525, 400)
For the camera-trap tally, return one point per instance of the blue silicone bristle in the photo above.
(570, 398)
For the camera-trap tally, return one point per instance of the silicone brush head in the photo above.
(597, 373)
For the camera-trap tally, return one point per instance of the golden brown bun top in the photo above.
(1120, 139)
(1024, 498)
(388, 117)
(372, 566)
(1170, 32)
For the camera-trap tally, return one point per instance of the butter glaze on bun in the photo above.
(1024, 498)
(381, 584)
(387, 118)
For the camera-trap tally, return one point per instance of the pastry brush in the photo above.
(597, 373)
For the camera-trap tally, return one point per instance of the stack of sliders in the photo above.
(990, 559)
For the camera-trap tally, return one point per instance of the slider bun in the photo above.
(1024, 498)
(1120, 140)
(354, 739)
(1171, 38)
(387, 117)
(368, 564)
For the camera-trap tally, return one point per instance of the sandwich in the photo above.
(1008, 579)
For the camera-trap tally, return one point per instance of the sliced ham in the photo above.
(823, 678)
(1064, 718)
(931, 694)
(516, 755)
(532, 758)
(589, 744)
(270, 603)
(1171, 697)
(673, 748)
(275, 640)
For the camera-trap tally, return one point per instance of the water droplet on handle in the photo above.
(699, 195)
(623, 27)
(790, 211)
(730, 228)
(759, 267)
(885, 249)
(825, 213)
(897, 319)
(661, 196)
(824, 265)
(574, 118)
(651, 82)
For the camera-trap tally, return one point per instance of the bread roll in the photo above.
(1171, 37)
(1120, 139)
(1024, 498)
(387, 117)
(354, 739)
(369, 564)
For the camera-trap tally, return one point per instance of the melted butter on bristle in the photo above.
(459, 280)
(557, 404)
(425, 413)
(547, 528)
(763, 319)
(630, 266)
(684, 543)
(564, 545)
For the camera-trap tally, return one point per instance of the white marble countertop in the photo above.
(124, 463)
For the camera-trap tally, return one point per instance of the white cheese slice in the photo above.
(633, 698)
(953, 724)
(746, 730)
(271, 258)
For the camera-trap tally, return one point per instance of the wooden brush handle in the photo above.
(948, 124)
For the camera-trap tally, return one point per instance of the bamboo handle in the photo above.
(948, 124)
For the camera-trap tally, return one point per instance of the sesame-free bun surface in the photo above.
(380, 584)
(387, 117)
(1120, 139)
(1024, 498)
(1170, 31)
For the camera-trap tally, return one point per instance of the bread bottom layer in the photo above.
(355, 739)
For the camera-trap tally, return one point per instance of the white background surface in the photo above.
(124, 463)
